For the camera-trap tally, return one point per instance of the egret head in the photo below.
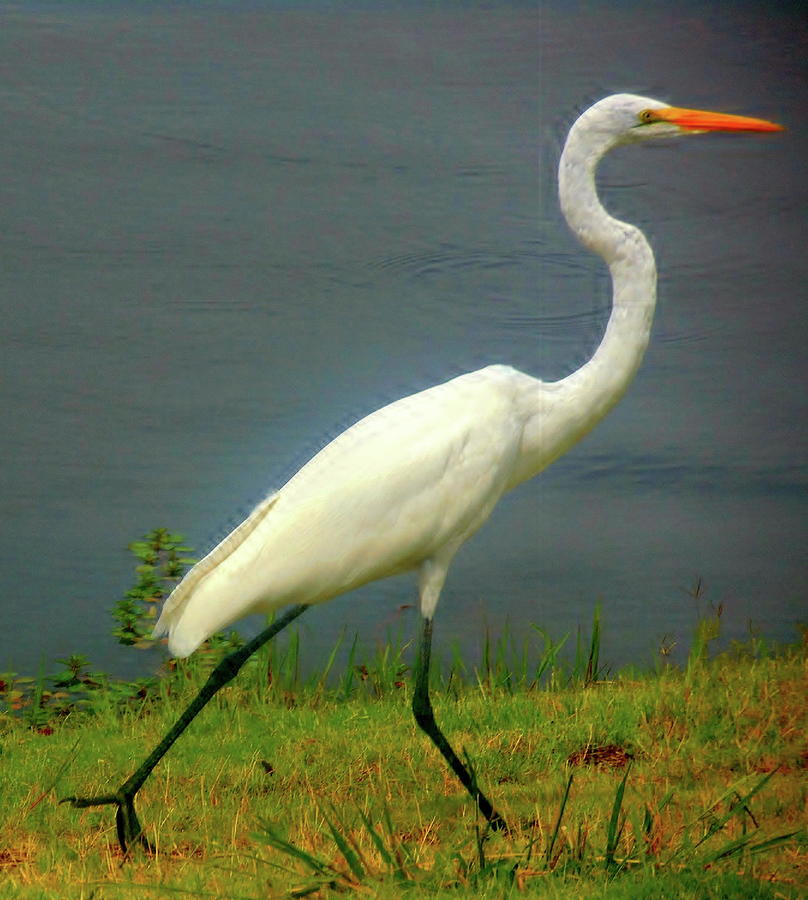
(627, 118)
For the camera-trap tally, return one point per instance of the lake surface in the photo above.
(230, 230)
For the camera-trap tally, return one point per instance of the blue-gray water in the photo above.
(228, 230)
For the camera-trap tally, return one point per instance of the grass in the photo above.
(676, 783)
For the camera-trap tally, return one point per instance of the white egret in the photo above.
(403, 488)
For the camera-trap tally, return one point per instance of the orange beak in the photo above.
(701, 120)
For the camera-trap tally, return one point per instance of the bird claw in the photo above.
(126, 820)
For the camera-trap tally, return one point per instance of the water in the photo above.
(230, 230)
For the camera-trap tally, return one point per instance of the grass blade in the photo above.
(348, 676)
(273, 839)
(593, 660)
(615, 830)
(378, 843)
(549, 855)
(744, 844)
(548, 659)
(350, 855)
(330, 662)
(739, 804)
(391, 857)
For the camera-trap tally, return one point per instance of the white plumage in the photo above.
(404, 487)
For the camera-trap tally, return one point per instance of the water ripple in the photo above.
(451, 257)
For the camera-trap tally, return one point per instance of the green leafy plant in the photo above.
(161, 563)
(74, 675)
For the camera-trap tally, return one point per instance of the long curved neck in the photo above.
(596, 387)
(562, 412)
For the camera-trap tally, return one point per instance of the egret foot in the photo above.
(126, 820)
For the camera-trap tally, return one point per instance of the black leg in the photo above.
(126, 820)
(422, 709)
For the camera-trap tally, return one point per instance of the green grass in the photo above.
(687, 784)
